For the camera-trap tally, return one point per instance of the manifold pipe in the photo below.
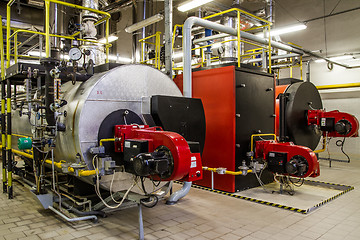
(179, 194)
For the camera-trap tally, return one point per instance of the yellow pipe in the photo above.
(22, 136)
(8, 12)
(47, 28)
(323, 148)
(239, 38)
(55, 35)
(238, 10)
(335, 86)
(82, 173)
(107, 140)
(2, 57)
(259, 135)
(15, 49)
(107, 27)
(22, 153)
(107, 15)
(226, 171)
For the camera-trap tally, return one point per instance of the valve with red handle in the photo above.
(334, 123)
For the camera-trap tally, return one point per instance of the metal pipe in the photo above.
(336, 86)
(176, 196)
(47, 28)
(30, 156)
(323, 147)
(168, 7)
(3, 136)
(141, 223)
(308, 70)
(273, 57)
(73, 219)
(227, 172)
(212, 37)
(189, 23)
(27, 40)
(8, 147)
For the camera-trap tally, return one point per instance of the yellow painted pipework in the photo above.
(323, 148)
(82, 173)
(260, 135)
(107, 140)
(21, 136)
(2, 57)
(336, 86)
(47, 28)
(226, 172)
(8, 13)
(22, 153)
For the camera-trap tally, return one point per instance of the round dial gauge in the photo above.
(75, 54)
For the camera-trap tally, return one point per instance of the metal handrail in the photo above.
(157, 44)
(47, 34)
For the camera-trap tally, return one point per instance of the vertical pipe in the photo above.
(8, 42)
(301, 68)
(47, 29)
(15, 48)
(41, 45)
(239, 38)
(3, 136)
(168, 6)
(282, 118)
(2, 57)
(141, 224)
(308, 70)
(9, 153)
(107, 27)
(269, 65)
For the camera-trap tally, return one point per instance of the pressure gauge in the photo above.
(75, 54)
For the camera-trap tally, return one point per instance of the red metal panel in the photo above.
(216, 88)
(278, 90)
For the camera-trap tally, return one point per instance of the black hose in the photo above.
(340, 143)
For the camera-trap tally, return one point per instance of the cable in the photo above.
(335, 7)
(156, 200)
(97, 186)
(287, 12)
(340, 143)
(295, 183)
(325, 32)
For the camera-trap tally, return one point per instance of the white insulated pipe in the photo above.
(191, 21)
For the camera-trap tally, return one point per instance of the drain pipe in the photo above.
(179, 194)
(307, 79)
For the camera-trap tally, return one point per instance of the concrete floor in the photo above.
(200, 215)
